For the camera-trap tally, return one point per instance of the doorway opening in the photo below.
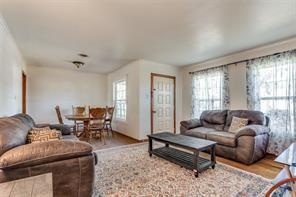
(24, 92)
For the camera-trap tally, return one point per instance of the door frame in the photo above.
(152, 96)
(24, 92)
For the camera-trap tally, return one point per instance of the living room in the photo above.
(219, 87)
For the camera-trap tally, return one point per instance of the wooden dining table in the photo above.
(85, 119)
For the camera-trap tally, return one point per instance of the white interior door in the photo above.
(163, 104)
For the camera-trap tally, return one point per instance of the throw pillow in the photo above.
(237, 123)
(43, 135)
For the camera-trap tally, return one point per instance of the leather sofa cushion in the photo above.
(254, 117)
(13, 133)
(200, 132)
(44, 152)
(223, 138)
(214, 119)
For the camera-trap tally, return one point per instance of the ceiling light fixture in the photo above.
(83, 55)
(78, 64)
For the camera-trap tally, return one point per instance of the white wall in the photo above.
(138, 75)
(130, 127)
(237, 78)
(48, 87)
(11, 66)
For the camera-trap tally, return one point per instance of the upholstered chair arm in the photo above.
(65, 129)
(191, 124)
(44, 152)
(253, 130)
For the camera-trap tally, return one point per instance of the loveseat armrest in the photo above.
(191, 124)
(44, 152)
(253, 130)
(65, 129)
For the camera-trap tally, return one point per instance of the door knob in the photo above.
(154, 111)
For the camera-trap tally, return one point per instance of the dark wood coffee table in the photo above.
(185, 159)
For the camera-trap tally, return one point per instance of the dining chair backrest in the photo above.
(59, 115)
(98, 113)
(110, 112)
(78, 110)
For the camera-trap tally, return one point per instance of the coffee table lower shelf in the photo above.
(183, 159)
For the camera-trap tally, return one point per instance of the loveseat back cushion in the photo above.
(254, 117)
(214, 119)
(13, 133)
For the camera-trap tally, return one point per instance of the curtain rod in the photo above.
(241, 61)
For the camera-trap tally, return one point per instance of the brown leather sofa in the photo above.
(248, 145)
(71, 162)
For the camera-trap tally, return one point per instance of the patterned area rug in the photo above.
(129, 171)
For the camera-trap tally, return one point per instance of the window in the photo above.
(209, 90)
(271, 89)
(119, 98)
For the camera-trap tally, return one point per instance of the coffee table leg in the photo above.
(195, 163)
(150, 147)
(213, 156)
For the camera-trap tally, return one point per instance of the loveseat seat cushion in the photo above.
(254, 117)
(223, 138)
(13, 133)
(200, 132)
(214, 119)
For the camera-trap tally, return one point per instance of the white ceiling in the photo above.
(114, 32)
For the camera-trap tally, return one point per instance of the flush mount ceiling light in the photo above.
(82, 55)
(78, 64)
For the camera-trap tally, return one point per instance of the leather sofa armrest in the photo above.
(65, 129)
(253, 130)
(42, 125)
(44, 152)
(191, 124)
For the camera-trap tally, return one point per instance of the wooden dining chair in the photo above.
(61, 121)
(109, 118)
(59, 115)
(79, 111)
(97, 122)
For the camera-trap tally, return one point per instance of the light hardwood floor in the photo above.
(266, 167)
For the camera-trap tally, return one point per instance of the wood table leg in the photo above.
(86, 132)
(195, 163)
(213, 156)
(150, 147)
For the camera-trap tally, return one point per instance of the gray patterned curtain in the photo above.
(210, 90)
(271, 88)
